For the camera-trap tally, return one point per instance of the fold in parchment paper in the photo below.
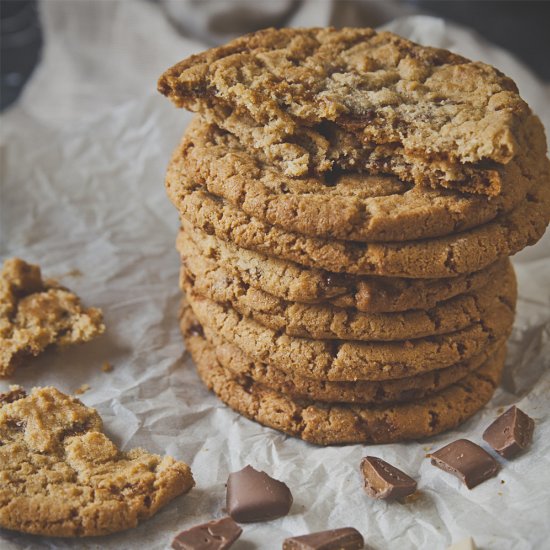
(83, 156)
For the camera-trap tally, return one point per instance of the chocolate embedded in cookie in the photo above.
(384, 481)
(510, 433)
(316, 99)
(37, 313)
(61, 475)
(215, 535)
(254, 496)
(466, 461)
(346, 538)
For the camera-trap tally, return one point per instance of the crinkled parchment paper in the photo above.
(82, 164)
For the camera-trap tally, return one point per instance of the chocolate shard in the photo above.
(214, 535)
(384, 481)
(510, 433)
(467, 461)
(14, 394)
(255, 496)
(466, 544)
(347, 538)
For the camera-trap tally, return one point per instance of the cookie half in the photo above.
(61, 476)
(346, 206)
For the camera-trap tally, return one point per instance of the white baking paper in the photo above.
(83, 156)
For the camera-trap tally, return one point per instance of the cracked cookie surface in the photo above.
(61, 476)
(325, 321)
(329, 424)
(37, 313)
(346, 206)
(292, 282)
(340, 360)
(244, 369)
(448, 256)
(355, 98)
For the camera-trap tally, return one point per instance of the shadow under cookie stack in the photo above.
(348, 203)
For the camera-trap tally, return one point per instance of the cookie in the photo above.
(61, 476)
(338, 360)
(328, 424)
(244, 369)
(292, 282)
(448, 256)
(37, 313)
(316, 99)
(346, 206)
(324, 321)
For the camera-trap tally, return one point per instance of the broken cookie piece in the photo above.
(61, 476)
(37, 313)
(384, 481)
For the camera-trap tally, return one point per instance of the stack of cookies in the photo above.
(348, 202)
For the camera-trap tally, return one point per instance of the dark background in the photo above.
(520, 26)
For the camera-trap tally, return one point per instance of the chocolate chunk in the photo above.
(347, 538)
(510, 433)
(214, 535)
(14, 394)
(384, 481)
(467, 461)
(255, 496)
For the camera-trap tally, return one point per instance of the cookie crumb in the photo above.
(107, 367)
(82, 389)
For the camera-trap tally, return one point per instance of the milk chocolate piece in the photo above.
(214, 535)
(510, 433)
(384, 481)
(255, 496)
(347, 538)
(467, 461)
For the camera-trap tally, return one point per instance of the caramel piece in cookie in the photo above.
(316, 99)
(329, 424)
(35, 314)
(61, 476)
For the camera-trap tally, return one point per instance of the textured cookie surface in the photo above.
(448, 256)
(315, 98)
(327, 424)
(35, 314)
(339, 360)
(61, 476)
(348, 206)
(292, 282)
(324, 321)
(244, 370)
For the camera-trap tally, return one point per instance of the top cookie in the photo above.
(316, 99)
(37, 313)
